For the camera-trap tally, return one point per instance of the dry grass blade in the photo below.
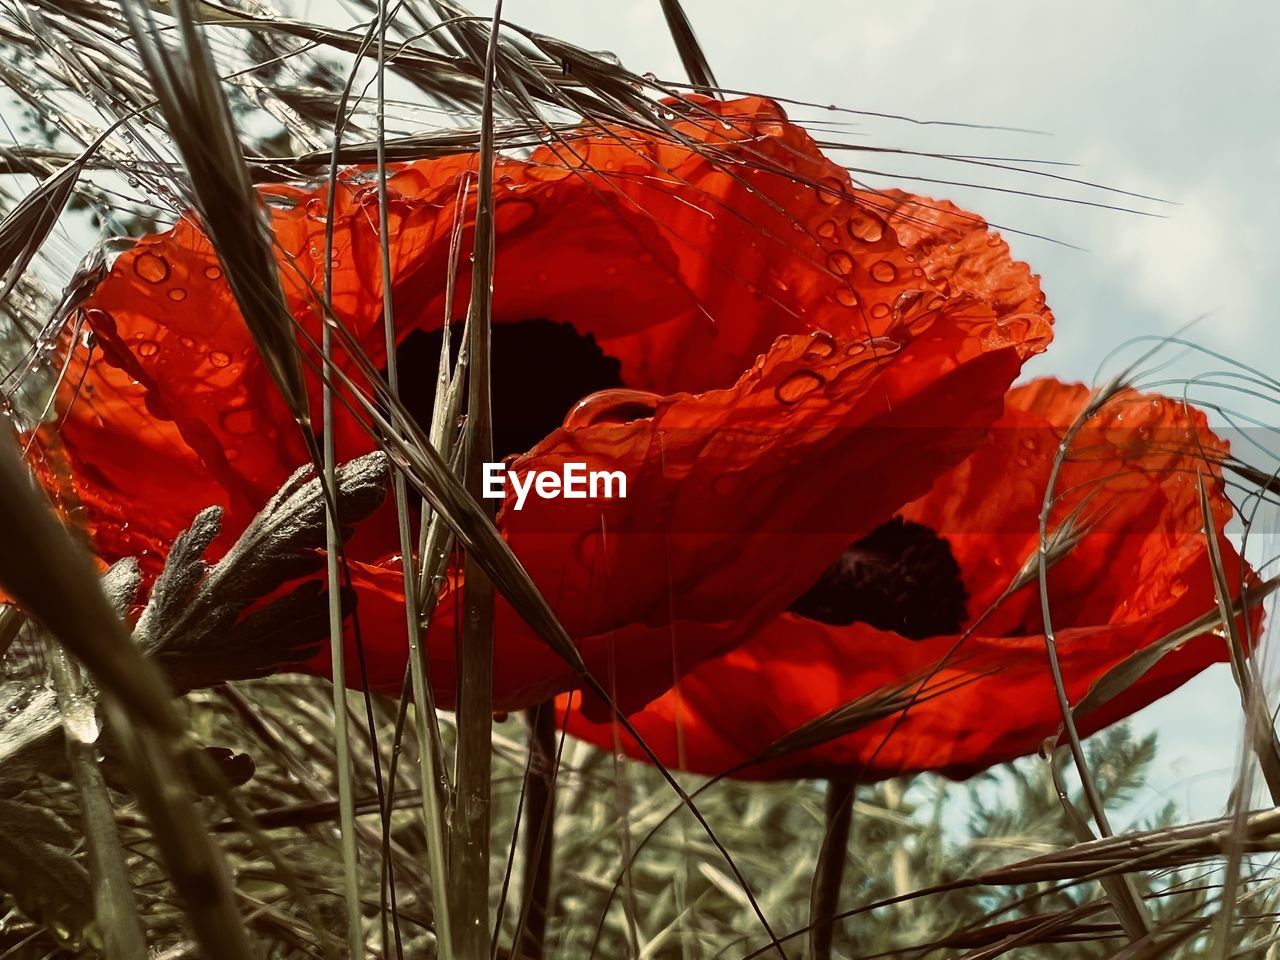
(1259, 727)
(11, 621)
(54, 581)
(29, 223)
(37, 868)
(1124, 674)
(1146, 850)
(855, 715)
(115, 907)
(691, 55)
(188, 92)
(1026, 934)
(431, 759)
(1129, 908)
(469, 824)
(195, 863)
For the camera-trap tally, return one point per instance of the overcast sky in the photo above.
(1173, 99)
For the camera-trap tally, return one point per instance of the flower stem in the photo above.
(824, 898)
(539, 832)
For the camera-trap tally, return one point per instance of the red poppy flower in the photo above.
(1138, 571)
(785, 362)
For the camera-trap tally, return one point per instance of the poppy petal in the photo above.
(791, 341)
(1138, 573)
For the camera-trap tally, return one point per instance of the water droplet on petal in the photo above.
(821, 346)
(831, 191)
(148, 348)
(846, 297)
(880, 310)
(884, 346)
(827, 229)
(882, 271)
(840, 263)
(151, 267)
(213, 273)
(798, 385)
(218, 358)
(177, 294)
(907, 301)
(865, 226)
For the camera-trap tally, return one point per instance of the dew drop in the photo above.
(317, 209)
(827, 229)
(884, 346)
(840, 263)
(219, 358)
(151, 267)
(882, 271)
(831, 191)
(177, 294)
(846, 297)
(798, 385)
(880, 310)
(907, 301)
(148, 348)
(213, 273)
(821, 346)
(865, 226)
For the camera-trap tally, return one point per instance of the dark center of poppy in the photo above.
(538, 369)
(901, 577)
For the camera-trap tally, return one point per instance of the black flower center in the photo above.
(538, 370)
(901, 577)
